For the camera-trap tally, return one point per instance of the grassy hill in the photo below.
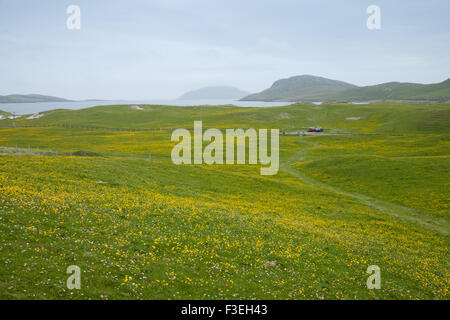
(300, 88)
(138, 226)
(397, 91)
(310, 88)
(379, 117)
(4, 114)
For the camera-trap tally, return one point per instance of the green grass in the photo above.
(397, 91)
(381, 117)
(338, 205)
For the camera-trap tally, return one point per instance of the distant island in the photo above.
(216, 92)
(314, 88)
(30, 98)
(307, 88)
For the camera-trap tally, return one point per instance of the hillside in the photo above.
(217, 92)
(397, 91)
(140, 227)
(311, 88)
(300, 88)
(383, 117)
(29, 98)
(4, 114)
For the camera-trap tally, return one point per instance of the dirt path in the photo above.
(412, 215)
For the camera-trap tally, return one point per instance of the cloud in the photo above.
(158, 49)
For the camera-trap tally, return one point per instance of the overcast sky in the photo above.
(158, 49)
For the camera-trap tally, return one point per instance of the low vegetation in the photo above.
(108, 199)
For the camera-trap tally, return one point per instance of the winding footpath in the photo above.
(412, 215)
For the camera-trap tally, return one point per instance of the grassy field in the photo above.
(87, 188)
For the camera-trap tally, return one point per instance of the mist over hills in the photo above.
(313, 88)
(215, 92)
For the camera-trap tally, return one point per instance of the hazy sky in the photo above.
(158, 49)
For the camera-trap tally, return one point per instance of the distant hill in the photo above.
(29, 98)
(312, 88)
(300, 88)
(398, 91)
(217, 92)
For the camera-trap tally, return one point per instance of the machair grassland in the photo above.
(76, 190)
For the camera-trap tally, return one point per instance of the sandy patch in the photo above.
(284, 115)
(353, 118)
(136, 107)
(35, 116)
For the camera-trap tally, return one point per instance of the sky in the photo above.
(159, 49)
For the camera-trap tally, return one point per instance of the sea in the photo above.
(36, 107)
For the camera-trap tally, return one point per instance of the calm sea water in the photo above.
(29, 108)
